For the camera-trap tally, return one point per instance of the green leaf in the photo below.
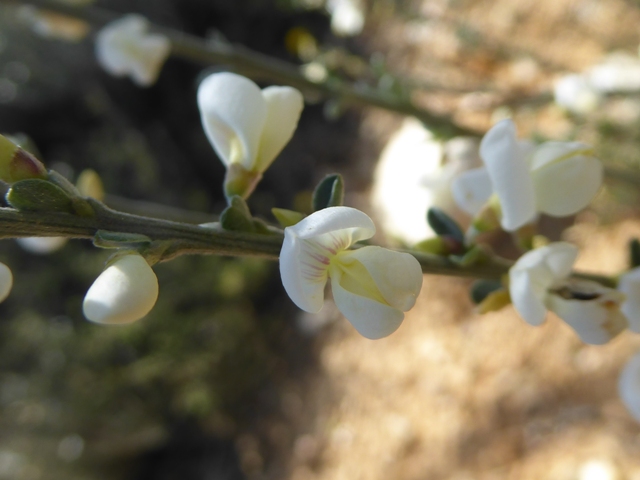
(237, 217)
(634, 253)
(287, 218)
(39, 195)
(329, 192)
(444, 225)
(481, 289)
(108, 239)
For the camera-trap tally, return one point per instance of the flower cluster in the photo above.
(555, 178)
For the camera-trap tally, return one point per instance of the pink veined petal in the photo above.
(629, 284)
(397, 275)
(303, 273)
(284, 106)
(509, 175)
(629, 386)
(233, 113)
(370, 318)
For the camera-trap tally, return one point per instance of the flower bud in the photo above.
(125, 292)
(18, 164)
(6, 281)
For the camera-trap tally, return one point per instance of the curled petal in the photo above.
(532, 276)
(310, 245)
(284, 105)
(629, 386)
(397, 275)
(509, 173)
(566, 177)
(6, 281)
(591, 309)
(371, 318)
(471, 190)
(233, 113)
(125, 292)
(629, 284)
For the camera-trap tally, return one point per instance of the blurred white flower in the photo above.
(411, 177)
(246, 126)
(124, 292)
(575, 93)
(125, 47)
(347, 17)
(629, 284)
(539, 281)
(617, 73)
(6, 281)
(372, 286)
(629, 386)
(555, 178)
(42, 245)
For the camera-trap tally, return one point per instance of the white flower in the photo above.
(575, 93)
(125, 47)
(6, 281)
(42, 245)
(618, 72)
(124, 292)
(347, 17)
(244, 124)
(629, 386)
(539, 280)
(372, 286)
(555, 178)
(629, 284)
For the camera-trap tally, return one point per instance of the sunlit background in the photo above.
(225, 378)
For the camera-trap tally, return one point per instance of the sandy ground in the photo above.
(454, 395)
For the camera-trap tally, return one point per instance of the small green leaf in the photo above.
(444, 225)
(634, 253)
(108, 239)
(237, 217)
(287, 218)
(329, 192)
(481, 289)
(39, 195)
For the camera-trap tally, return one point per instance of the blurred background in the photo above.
(225, 378)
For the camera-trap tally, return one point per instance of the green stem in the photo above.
(192, 239)
(260, 66)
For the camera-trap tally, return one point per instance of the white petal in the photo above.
(629, 284)
(309, 246)
(370, 318)
(534, 273)
(124, 47)
(126, 291)
(509, 175)
(6, 281)
(629, 386)
(397, 275)
(284, 105)
(597, 320)
(233, 113)
(575, 93)
(472, 189)
(566, 177)
(42, 245)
